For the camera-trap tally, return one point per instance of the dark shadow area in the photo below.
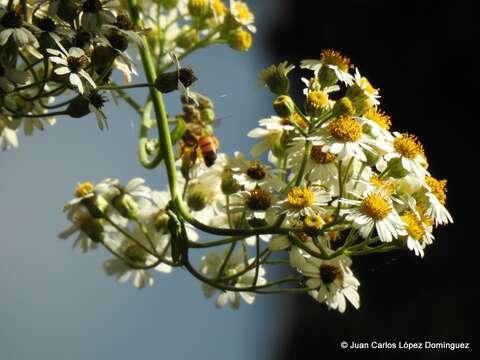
(420, 54)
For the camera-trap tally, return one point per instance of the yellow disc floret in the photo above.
(408, 146)
(332, 57)
(242, 13)
(379, 117)
(240, 40)
(414, 226)
(317, 99)
(83, 189)
(376, 206)
(313, 222)
(321, 157)
(301, 197)
(438, 188)
(346, 129)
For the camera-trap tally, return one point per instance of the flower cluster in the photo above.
(59, 57)
(336, 183)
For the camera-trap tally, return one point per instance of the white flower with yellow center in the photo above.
(334, 61)
(305, 200)
(436, 197)
(410, 151)
(345, 138)
(332, 282)
(378, 122)
(242, 14)
(368, 90)
(419, 228)
(375, 210)
(211, 266)
(270, 133)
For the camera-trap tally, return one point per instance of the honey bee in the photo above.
(208, 146)
(194, 146)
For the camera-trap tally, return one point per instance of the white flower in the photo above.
(435, 192)
(332, 280)
(211, 265)
(95, 13)
(12, 25)
(72, 63)
(408, 149)
(242, 14)
(375, 210)
(271, 133)
(419, 228)
(334, 61)
(305, 200)
(368, 90)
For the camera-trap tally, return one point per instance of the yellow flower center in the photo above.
(332, 57)
(365, 85)
(379, 117)
(83, 189)
(438, 188)
(318, 99)
(414, 225)
(320, 157)
(313, 222)
(241, 40)
(408, 146)
(376, 206)
(242, 12)
(301, 198)
(219, 7)
(345, 128)
(298, 119)
(382, 184)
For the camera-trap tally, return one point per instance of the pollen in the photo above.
(256, 171)
(414, 226)
(317, 99)
(332, 57)
(329, 273)
(83, 189)
(346, 129)
(408, 146)
(321, 157)
(438, 188)
(376, 206)
(379, 117)
(259, 199)
(301, 198)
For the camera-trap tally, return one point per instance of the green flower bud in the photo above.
(103, 58)
(161, 220)
(78, 107)
(126, 206)
(191, 113)
(343, 107)
(96, 206)
(198, 197)
(93, 228)
(207, 115)
(275, 77)
(135, 254)
(229, 185)
(187, 38)
(284, 106)
(199, 8)
(395, 168)
(327, 77)
(239, 39)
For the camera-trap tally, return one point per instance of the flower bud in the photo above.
(168, 4)
(118, 41)
(135, 254)
(187, 38)
(327, 77)
(161, 220)
(316, 102)
(93, 228)
(395, 168)
(96, 206)
(284, 106)
(103, 58)
(78, 107)
(191, 114)
(343, 107)
(360, 101)
(229, 185)
(207, 115)
(126, 206)
(198, 8)
(312, 224)
(276, 78)
(198, 197)
(239, 39)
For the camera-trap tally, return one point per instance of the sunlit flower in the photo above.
(333, 60)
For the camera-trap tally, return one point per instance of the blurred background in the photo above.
(56, 303)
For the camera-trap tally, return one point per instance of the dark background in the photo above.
(420, 54)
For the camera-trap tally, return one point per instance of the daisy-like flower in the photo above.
(419, 228)
(344, 136)
(211, 265)
(95, 103)
(8, 136)
(375, 210)
(49, 28)
(242, 14)
(378, 123)
(95, 13)
(437, 198)
(12, 25)
(368, 90)
(332, 280)
(72, 63)
(410, 151)
(249, 174)
(10, 77)
(305, 200)
(270, 133)
(86, 190)
(333, 61)
(255, 204)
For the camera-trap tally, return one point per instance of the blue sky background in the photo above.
(56, 303)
